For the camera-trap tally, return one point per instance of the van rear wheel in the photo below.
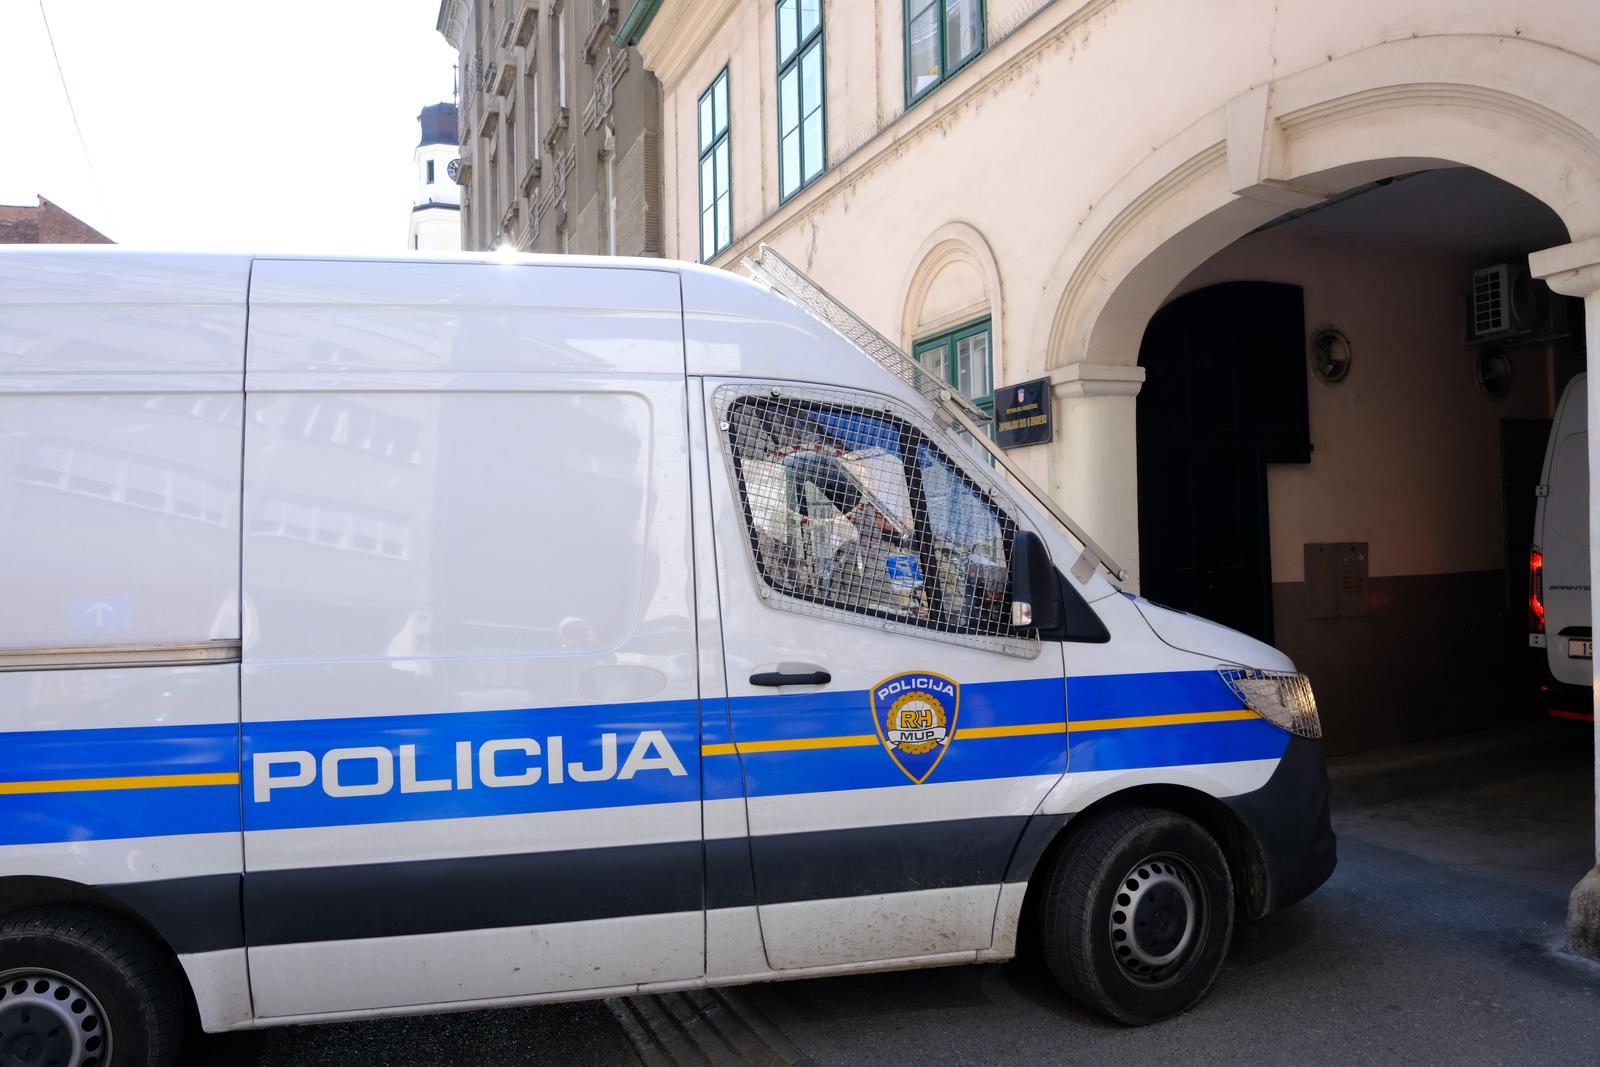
(1137, 914)
(84, 989)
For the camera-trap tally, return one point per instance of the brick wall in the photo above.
(586, 234)
(46, 224)
(639, 197)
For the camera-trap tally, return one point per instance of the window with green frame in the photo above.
(801, 154)
(942, 36)
(963, 358)
(716, 180)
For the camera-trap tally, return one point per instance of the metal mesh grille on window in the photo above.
(853, 513)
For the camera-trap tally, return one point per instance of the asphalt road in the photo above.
(1436, 942)
(579, 1035)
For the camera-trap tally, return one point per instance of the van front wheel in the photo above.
(84, 989)
(1137, 914)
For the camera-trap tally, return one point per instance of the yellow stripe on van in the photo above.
(1081, 726)
(1022, 730)
(796, 744)
(979, 732)
(147, 781)
(1160, 720)
(1085, 725)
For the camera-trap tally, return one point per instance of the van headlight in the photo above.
(1281, 697)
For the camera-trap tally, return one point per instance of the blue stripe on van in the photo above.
(1176, 746)
(985, 704)
(828, 715)
(43, 755)
(56, 758)
(1108, 696)
(581, 729)
(37, 818)
(869, 767)
(1115, 696)
(111, 813)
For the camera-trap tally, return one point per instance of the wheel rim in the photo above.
(48, 1018)
(1155, 919)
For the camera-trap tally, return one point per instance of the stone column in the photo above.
(1094, 469)
(1574, 270)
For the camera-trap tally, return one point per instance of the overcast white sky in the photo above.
(223, 124)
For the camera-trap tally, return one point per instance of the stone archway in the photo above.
(1532, 120)
(1526, 113)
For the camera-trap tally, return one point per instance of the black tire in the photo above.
(78, 950)
(1146, 878)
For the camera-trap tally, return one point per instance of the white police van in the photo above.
(395, 636)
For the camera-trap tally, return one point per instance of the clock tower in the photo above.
(436, 210)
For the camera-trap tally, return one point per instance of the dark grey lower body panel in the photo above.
(532, 889)
(1289, 819)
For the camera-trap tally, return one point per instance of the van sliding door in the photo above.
(470, 701)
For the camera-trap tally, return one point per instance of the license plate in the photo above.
(1581, 648)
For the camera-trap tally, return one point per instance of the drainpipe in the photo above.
(609, 153)
(1574, 270)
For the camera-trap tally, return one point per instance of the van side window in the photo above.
(855, 513)
(968, 538)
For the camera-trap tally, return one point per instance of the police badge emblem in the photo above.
(915, 715)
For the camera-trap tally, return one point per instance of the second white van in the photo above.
(1559, 624)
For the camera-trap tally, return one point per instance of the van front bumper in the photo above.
(1293, 835)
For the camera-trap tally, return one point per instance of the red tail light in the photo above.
(1536, 592)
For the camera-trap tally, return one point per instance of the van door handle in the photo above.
(815, 676)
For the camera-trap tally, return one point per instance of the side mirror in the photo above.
(1035, 587)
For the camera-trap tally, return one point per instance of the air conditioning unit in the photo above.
(1508, 302)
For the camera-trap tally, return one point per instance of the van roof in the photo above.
(131, 256)
(33, 275)
(221, 276)
(802, 349)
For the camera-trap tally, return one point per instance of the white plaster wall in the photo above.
(438, 230)
(1023, 142)
(1406, 450)
(736, 44)
(1051, 143)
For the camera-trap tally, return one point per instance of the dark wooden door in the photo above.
(1224, 395)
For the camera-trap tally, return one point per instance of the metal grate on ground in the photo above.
(702, 1028)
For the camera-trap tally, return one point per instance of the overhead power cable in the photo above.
(82, 142)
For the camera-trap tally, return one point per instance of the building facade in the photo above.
(46, 224)
(560, 129)
(1303, 281)
(436, 210)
